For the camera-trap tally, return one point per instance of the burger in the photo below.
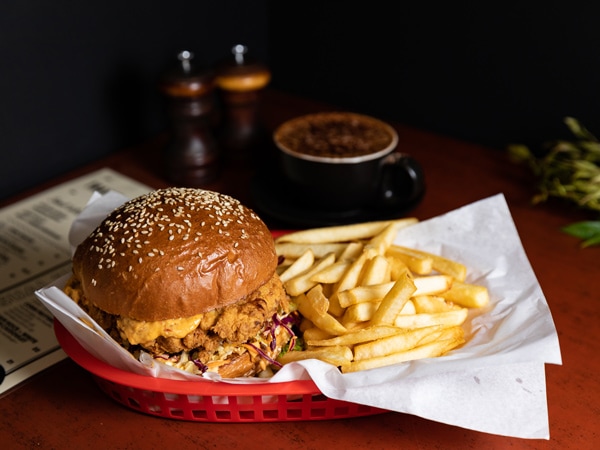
(187, 276)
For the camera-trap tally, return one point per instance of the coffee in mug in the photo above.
(344, 160)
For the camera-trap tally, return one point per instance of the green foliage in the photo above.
(568, 170)
(587, 231)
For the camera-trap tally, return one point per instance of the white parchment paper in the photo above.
(495, 383)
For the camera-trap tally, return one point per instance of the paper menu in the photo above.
(34, 250)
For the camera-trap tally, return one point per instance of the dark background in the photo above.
(78, 79)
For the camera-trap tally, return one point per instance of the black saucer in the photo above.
(274, 198)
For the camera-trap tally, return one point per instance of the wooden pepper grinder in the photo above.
(240, 81)
(191, 156)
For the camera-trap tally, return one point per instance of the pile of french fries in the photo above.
(367, 302)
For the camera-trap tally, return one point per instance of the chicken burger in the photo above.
(188, 276)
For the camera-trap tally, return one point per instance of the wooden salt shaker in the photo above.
(240, 81)
(191, 156)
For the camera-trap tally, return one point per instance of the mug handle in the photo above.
(401, 182)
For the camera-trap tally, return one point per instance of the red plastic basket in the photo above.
(209, 401)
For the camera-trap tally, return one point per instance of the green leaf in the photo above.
(594, 240)
(579, 130)
(587, 231)
(583, 230)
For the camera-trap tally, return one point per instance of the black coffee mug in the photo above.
(373, 175)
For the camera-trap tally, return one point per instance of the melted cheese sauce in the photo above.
(139, 332)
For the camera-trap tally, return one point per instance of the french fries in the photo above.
(396, 343)
(304, 261)
(394, 301)
(367, 302)
(343, 233)
(355, 337)
(339, 356)
(310, 306)
(467, 295)
(303, 281)
(443, 265)
(429, 350)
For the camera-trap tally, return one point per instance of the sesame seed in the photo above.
(161, 211)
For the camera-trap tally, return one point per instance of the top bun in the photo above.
(174, 253)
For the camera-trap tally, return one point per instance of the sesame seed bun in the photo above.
(174, 253)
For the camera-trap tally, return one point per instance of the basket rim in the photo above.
(184, 387)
